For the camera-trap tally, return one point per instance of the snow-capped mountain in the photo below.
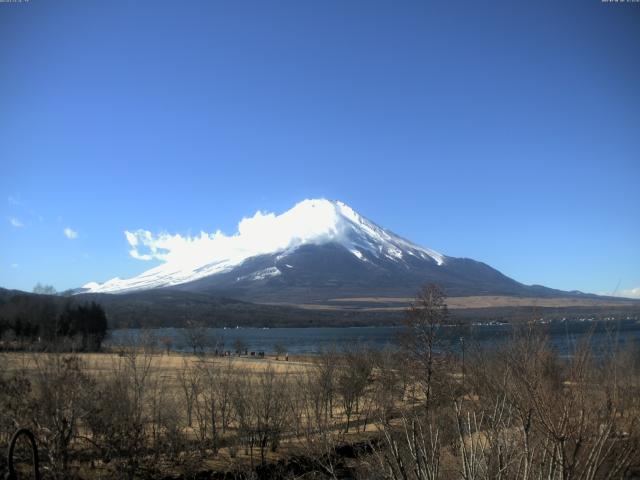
(317, 250)
(310, 222)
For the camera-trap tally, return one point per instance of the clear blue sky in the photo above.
(508, 132)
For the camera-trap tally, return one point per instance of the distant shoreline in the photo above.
(310, 340)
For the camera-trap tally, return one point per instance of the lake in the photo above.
(564, 336)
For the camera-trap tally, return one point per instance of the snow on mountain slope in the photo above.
(310, 222)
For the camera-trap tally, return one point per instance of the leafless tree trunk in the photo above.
(60, 387)
(420, 340)
(189, 380)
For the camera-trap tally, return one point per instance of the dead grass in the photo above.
(489, 301)
(167, 366)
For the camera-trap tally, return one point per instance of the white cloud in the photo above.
(70, 233)
(262, 233)
(131, 238)
(16, 222)
(14, 200)
(630, 293)
(14, 265)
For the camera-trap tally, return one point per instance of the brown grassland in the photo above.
(515, 411)
(391, 304)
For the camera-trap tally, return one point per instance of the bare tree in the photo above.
(280, 350)
(353, 376)
(119, 426)
(60, 388)
(190, 384)
(165, 434)
(167, 343)
(44, 289)
(420, 341)
(239, 346)
(15, 409)
(326, 366)
(196, 337)
(261, 408)
(412, 448)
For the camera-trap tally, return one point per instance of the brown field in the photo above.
(166, 365)
(479, 301)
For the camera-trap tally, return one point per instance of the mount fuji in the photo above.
(318, 251)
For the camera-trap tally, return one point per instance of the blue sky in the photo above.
(508, 132)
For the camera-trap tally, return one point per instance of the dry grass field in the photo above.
(168, 363)
(399, 304)
(514, 411)
(488, 301)
(167, 366)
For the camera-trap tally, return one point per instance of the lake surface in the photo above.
(564, 336)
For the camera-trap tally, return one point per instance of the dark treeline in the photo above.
(161, 308)
(40, 321)
(174, 308)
